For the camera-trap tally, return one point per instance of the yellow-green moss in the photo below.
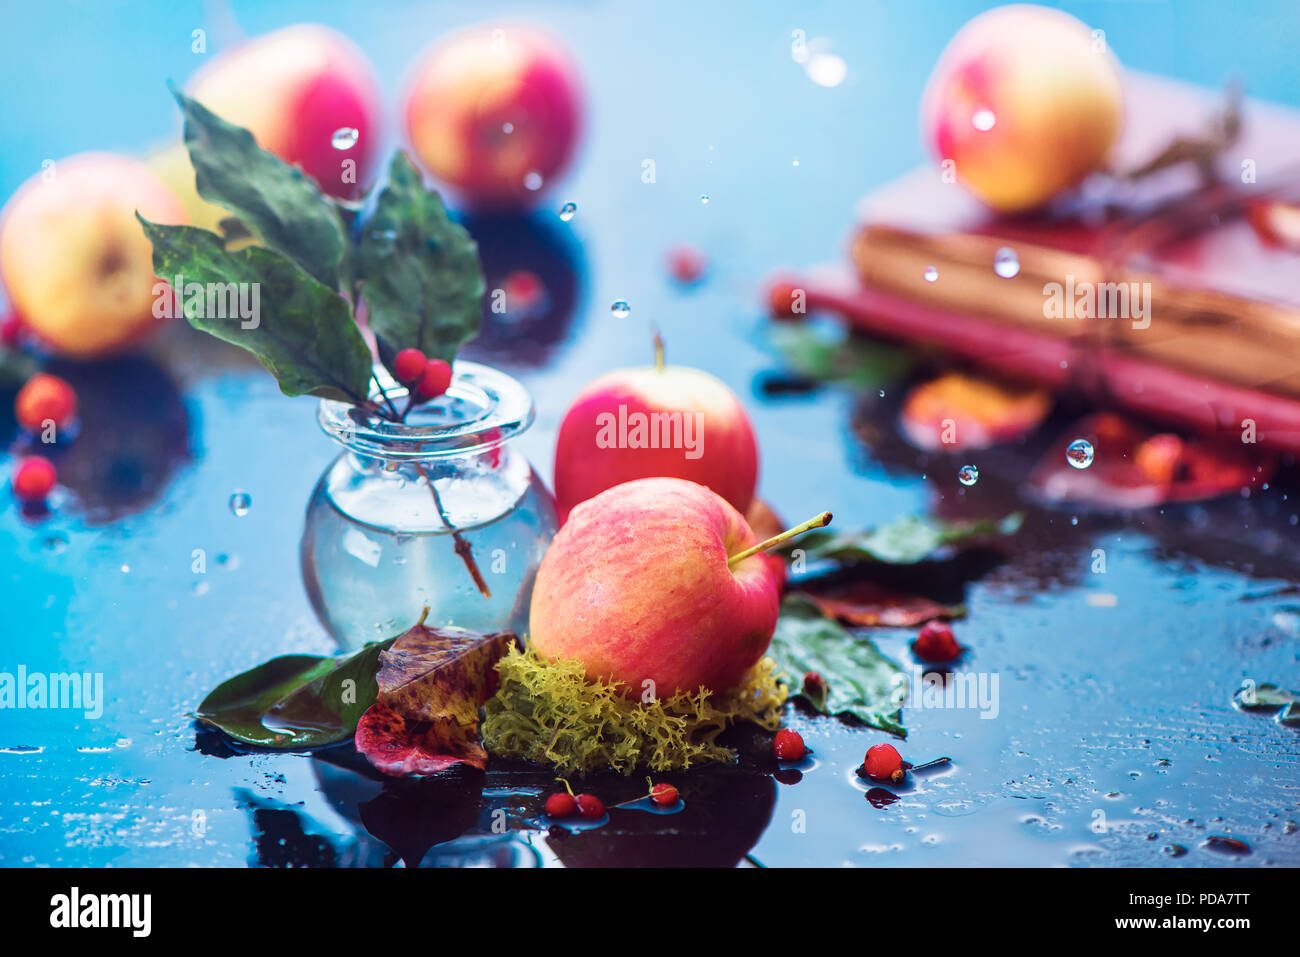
(549, 712)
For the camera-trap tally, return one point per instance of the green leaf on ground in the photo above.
(852, 360)
(859, 679)
(904, 542)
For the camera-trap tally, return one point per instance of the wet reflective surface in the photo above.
(1115, 739)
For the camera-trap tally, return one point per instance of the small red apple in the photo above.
(494, 112)
(637, 586)
(655, 421)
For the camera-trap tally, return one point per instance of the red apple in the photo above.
(294, 89)
(657, 420)
(1025, 101)
(494, 111)
(637, 587)
(73, 258)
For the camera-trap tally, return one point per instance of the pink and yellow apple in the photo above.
(73, 258)
(494, 112)
(1025, 102)
(637, 587)
(655, 421)
(294, 89)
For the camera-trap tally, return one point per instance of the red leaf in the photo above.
(432, 683)
(866, 603)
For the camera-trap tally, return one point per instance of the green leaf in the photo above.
(423, 283)
(904, 542)
(304, 332)
(284, 206)
(859, 680)
(296, 701)
(852, 360)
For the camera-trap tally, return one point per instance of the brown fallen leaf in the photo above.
(867, 604)
(432, 682)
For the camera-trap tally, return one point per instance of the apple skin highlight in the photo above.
(636, 586)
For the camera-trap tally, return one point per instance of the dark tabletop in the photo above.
(1116, 740)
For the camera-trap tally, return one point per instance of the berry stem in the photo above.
(817, 521)
(463, 547)
(659, 347)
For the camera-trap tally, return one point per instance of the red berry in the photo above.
(561, 804)
(524, 290)
(687, 264)
(788, 745)
(408, 365)
(814, 685)
(34, 478)
(883, 763)
(434, 380)
(786, 300)
(44, 398)
(936, 643)
(590, 806)
(663, 794)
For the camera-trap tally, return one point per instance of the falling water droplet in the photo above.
(241, 502)
(345, 137)
(983, 119)
(567, 211)
(704, 199)
(620, 309)
(1079, 453)
(931, 274)
(1006, 263)
(533, 181)
(968, 475)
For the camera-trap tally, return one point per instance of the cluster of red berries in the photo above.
(565, 803)
(936, 643)
(43, 400)
(427, 378)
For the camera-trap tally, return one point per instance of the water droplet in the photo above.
(968, 475)
(794, 162)
(1173, 850)
(567, 211)
(931, 274)
(704, 199)
(620, 309)
(345, 137)
(1079, 453)
(983, 119)
(533, 181)
(241, 502)
(507, 128)
(1006, 263)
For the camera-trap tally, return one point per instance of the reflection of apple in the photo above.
(494, 112)
(710, 441)
(1025, 102)
(294, 89)
(636, 585)
(74, 260)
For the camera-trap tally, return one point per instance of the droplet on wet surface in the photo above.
(345, 137)
(1079, 453)
(240, 503)
(968, 475)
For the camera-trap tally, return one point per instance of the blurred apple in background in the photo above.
(306, 93)
(1026, 102)
(710, 439)
(74, 261)
(494, 112)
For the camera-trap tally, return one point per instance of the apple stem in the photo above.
(817, 521)
(659, 347)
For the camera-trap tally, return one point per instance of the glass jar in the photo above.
(438, 512)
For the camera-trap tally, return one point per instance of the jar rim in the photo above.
(481, 409)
